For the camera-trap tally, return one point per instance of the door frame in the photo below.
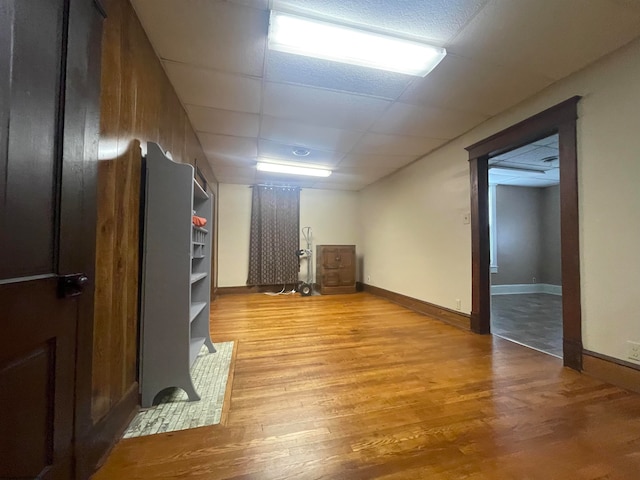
(560, 119)
(80, 134)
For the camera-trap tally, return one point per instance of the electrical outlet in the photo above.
(458, 304)
(633, 352)
(368, 278)
(534, 280)
(466, 218)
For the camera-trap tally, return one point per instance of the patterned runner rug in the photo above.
(175, 412)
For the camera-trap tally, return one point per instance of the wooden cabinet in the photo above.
(176, 279)
(336, 268)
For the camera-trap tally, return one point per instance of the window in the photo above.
(493, 239)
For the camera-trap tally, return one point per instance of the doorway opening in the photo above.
(524, 239)
(559, 120)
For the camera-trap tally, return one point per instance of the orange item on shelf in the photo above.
(199, 221)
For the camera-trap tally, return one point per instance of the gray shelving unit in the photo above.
(176, 276)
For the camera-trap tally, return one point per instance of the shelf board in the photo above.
(197, 276)
(195, 344)
(198, 191)
(195, 309)
(200, 229)
(198, 243)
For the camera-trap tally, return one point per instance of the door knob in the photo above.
(72, 285)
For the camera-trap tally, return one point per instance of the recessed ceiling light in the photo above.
(292, 169)
(301, 152)
(340, 43)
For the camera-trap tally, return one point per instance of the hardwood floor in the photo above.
(355, 387)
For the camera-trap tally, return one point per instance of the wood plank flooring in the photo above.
(355, 387)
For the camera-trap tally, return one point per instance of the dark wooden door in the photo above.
(41, 198)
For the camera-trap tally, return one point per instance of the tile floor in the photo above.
(210, 373)
(534, 320)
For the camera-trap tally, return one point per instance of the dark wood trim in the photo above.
(607, 358)
(100, 7)
(533, 128)
(457, 319)
(570, 245)
(226, 403)
(481, 296)
(559, 119)
(93, 449)
(611, 370)
(80, 150)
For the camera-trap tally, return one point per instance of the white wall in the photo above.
(332, 215)
(334, 220)
(234, 224)
(415, 241)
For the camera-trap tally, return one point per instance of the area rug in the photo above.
(174, 411)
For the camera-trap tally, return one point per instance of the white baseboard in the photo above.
(526, 288)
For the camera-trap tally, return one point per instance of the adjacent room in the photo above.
(301, 239)
(526, 273)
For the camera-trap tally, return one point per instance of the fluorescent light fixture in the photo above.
(515, 172)
(292, 169)
(339, 43)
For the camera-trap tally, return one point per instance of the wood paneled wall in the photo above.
(138, 104)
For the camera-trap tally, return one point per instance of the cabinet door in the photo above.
(347, 265)
(330, 258)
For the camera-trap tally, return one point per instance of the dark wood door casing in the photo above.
(559, 119)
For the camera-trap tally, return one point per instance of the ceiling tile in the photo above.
(550, 140)
(397, 145)
(513, 153)
(297, 133)
(532, 157)
(227, 146)
(434, 20)
(376, 161)
(321, 107)
(465, 84)
(368, 174)
(552, 38)
(282, 151)
(346, 186)
(297, 69)
(223, 122)
(197, 86)
(214, 34)
(431, 122)
(234, 174)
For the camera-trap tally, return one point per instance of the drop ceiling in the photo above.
(533, 165)
(246, 102)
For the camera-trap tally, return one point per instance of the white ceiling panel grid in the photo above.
(322, 107)
(321, 138)
(429, 122)
(246, 102)
(208, 88)
(217, 35)
(223, 122)
(282, 151)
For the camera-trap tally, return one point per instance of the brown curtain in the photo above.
(275, 226)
